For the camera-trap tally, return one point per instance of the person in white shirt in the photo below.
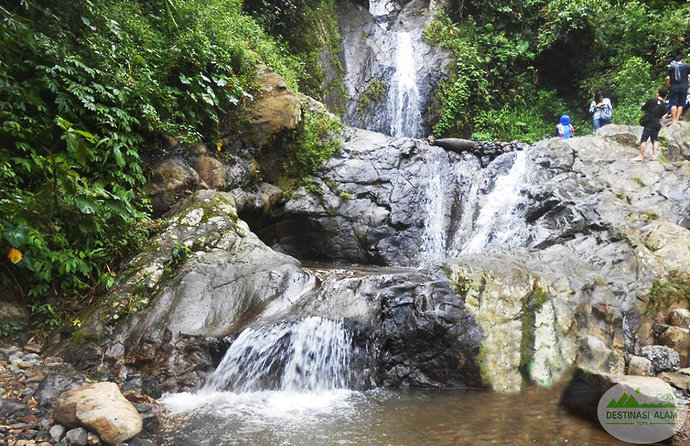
(601, 110)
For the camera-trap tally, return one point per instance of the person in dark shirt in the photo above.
(677, 81)
(654, 109)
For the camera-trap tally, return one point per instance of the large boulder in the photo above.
(275, 109)
(211, 171)
(173, 178)
(678, 339)
(664, 359)
(101, 408)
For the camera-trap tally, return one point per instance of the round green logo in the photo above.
(641, 411)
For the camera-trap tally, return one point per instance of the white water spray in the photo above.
(434, 236)
(308, 355)
(404, 101)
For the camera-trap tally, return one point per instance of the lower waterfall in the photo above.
(312, 354)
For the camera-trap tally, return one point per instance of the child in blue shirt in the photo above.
(565, 128)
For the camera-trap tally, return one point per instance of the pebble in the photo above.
(52, 361)
(21, 364)
(76, 437)
(32, 357)
(7, 351)
(93, 439)
(57, 431)
(32, 348)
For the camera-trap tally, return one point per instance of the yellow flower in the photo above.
(14, 255)
(219, 145)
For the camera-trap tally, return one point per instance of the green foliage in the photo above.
(375, 92)
(308, 27)
(86, 88)
(179, 255)
(526, 63)
(674, 288)
(7, 328)
(315, 141)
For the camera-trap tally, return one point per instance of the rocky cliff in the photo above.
(494, 269)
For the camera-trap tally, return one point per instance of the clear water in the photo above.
(342, 417)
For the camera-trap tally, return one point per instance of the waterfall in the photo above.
(379, 8)
(434, 236)
(404, 101)
(309, 355)
(499, 218)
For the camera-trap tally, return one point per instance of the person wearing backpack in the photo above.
(654, 109)
(677, 81)
(601, 110)
(564, 128)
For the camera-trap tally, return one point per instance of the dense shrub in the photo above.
(85, 89)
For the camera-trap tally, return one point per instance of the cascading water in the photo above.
(498, 219)
(308, 355)
(404, 100)
(271, 376)
(433, 246)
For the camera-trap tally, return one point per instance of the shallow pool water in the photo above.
(380, 417)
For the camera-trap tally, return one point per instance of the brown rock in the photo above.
(173, 176)
(92, 439)
(277, 108)
(678, 339)
(138, 398)
(212, 172)
(101, 408)
(680, 317)
(677, 380)
(32, 348)
(640, 366)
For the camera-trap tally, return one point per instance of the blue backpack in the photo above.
(606, 113)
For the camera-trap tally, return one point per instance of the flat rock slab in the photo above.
(100, 407)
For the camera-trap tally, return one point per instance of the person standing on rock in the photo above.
(564, 128)
(601, 110)
(654, 109)
(677, 81)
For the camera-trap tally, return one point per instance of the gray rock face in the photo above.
(375, 203)
(56, 432)
(531, 262)
(417, 348)
(664, 359)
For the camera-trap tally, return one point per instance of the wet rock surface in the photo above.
(565, 274)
